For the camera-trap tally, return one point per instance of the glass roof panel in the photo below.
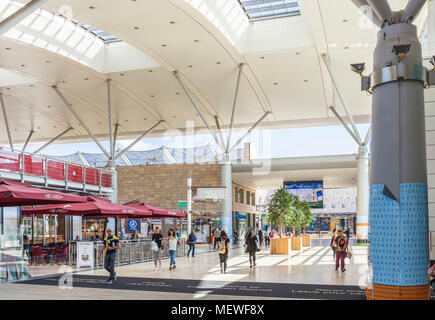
(106, 37)
(267, 9)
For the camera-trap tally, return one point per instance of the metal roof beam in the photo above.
(236, 95)
(5, 117)
(343, 100)
(27, 141)
(412, 10)
(76, 115)
(366, 9)
(131, 145)
(52, 140)
(197, 108)
(248, 132)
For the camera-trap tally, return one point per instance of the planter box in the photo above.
(296, 243)
(306, 241)
(280, 245)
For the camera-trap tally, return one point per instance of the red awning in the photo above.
(157, 212)
(14, 193)
(95, 207)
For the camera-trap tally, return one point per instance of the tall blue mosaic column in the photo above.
(398, 209)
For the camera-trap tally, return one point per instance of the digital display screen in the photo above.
(311, 191)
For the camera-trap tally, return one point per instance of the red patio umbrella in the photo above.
(14, 193)
(157, 212)
(95, 207)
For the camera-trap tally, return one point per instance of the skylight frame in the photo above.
(256, 10)
(102, 35)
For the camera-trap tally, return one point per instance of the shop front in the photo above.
(241, 224)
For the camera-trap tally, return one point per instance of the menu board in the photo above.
(85, 254)
(311, 191)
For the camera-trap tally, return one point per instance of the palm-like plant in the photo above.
(307, 215)
(280, 207)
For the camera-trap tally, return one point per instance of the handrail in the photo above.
(22, 167)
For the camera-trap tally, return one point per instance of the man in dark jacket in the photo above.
(191, 242)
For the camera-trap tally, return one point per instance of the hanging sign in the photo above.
(133, 225)
(211, 192)
(85, 254)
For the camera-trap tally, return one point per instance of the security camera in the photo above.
(358, 67)
(402, 49)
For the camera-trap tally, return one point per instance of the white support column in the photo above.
(363, 186)
(189, 205)
(227, 204)
(111, 168)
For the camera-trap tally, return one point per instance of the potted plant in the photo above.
(306, 219)
(295, 220)
(280, 208)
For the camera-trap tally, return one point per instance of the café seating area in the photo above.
(53, 254)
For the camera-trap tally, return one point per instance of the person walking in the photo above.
(223, 249)
(216, 237)
(172, 247)
(341, 250)
(333, 244)
(251, 247)
(191, 242)
(267, 237)
(111, 244)
(347, 233)
(157, 238)
(260, 236)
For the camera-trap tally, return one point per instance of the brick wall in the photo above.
(166, 184)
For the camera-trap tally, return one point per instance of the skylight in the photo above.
(107, 38)
(268, 9)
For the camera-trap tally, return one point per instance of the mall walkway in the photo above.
(308, 274)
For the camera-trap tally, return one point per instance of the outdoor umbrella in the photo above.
(14, 193)
(157, 212)
(95, 207)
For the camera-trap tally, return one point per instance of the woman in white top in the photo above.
(172, 247)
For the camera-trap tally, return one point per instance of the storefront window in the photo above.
(38, 229)
(27, 231)
(11, 227)
(50, 229)
(60, 232)
(93, 228)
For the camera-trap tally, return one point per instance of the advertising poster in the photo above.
(144, 228)
(85, 254)
(312, 192)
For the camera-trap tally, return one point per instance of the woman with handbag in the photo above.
(341, 250)
(251, 247)
(156, 247)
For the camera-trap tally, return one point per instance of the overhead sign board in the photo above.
(311, 191)
(182, 204)
(211, 192)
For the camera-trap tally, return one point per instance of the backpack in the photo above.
(223, 247)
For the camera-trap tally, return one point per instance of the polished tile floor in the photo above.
(310, 266)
